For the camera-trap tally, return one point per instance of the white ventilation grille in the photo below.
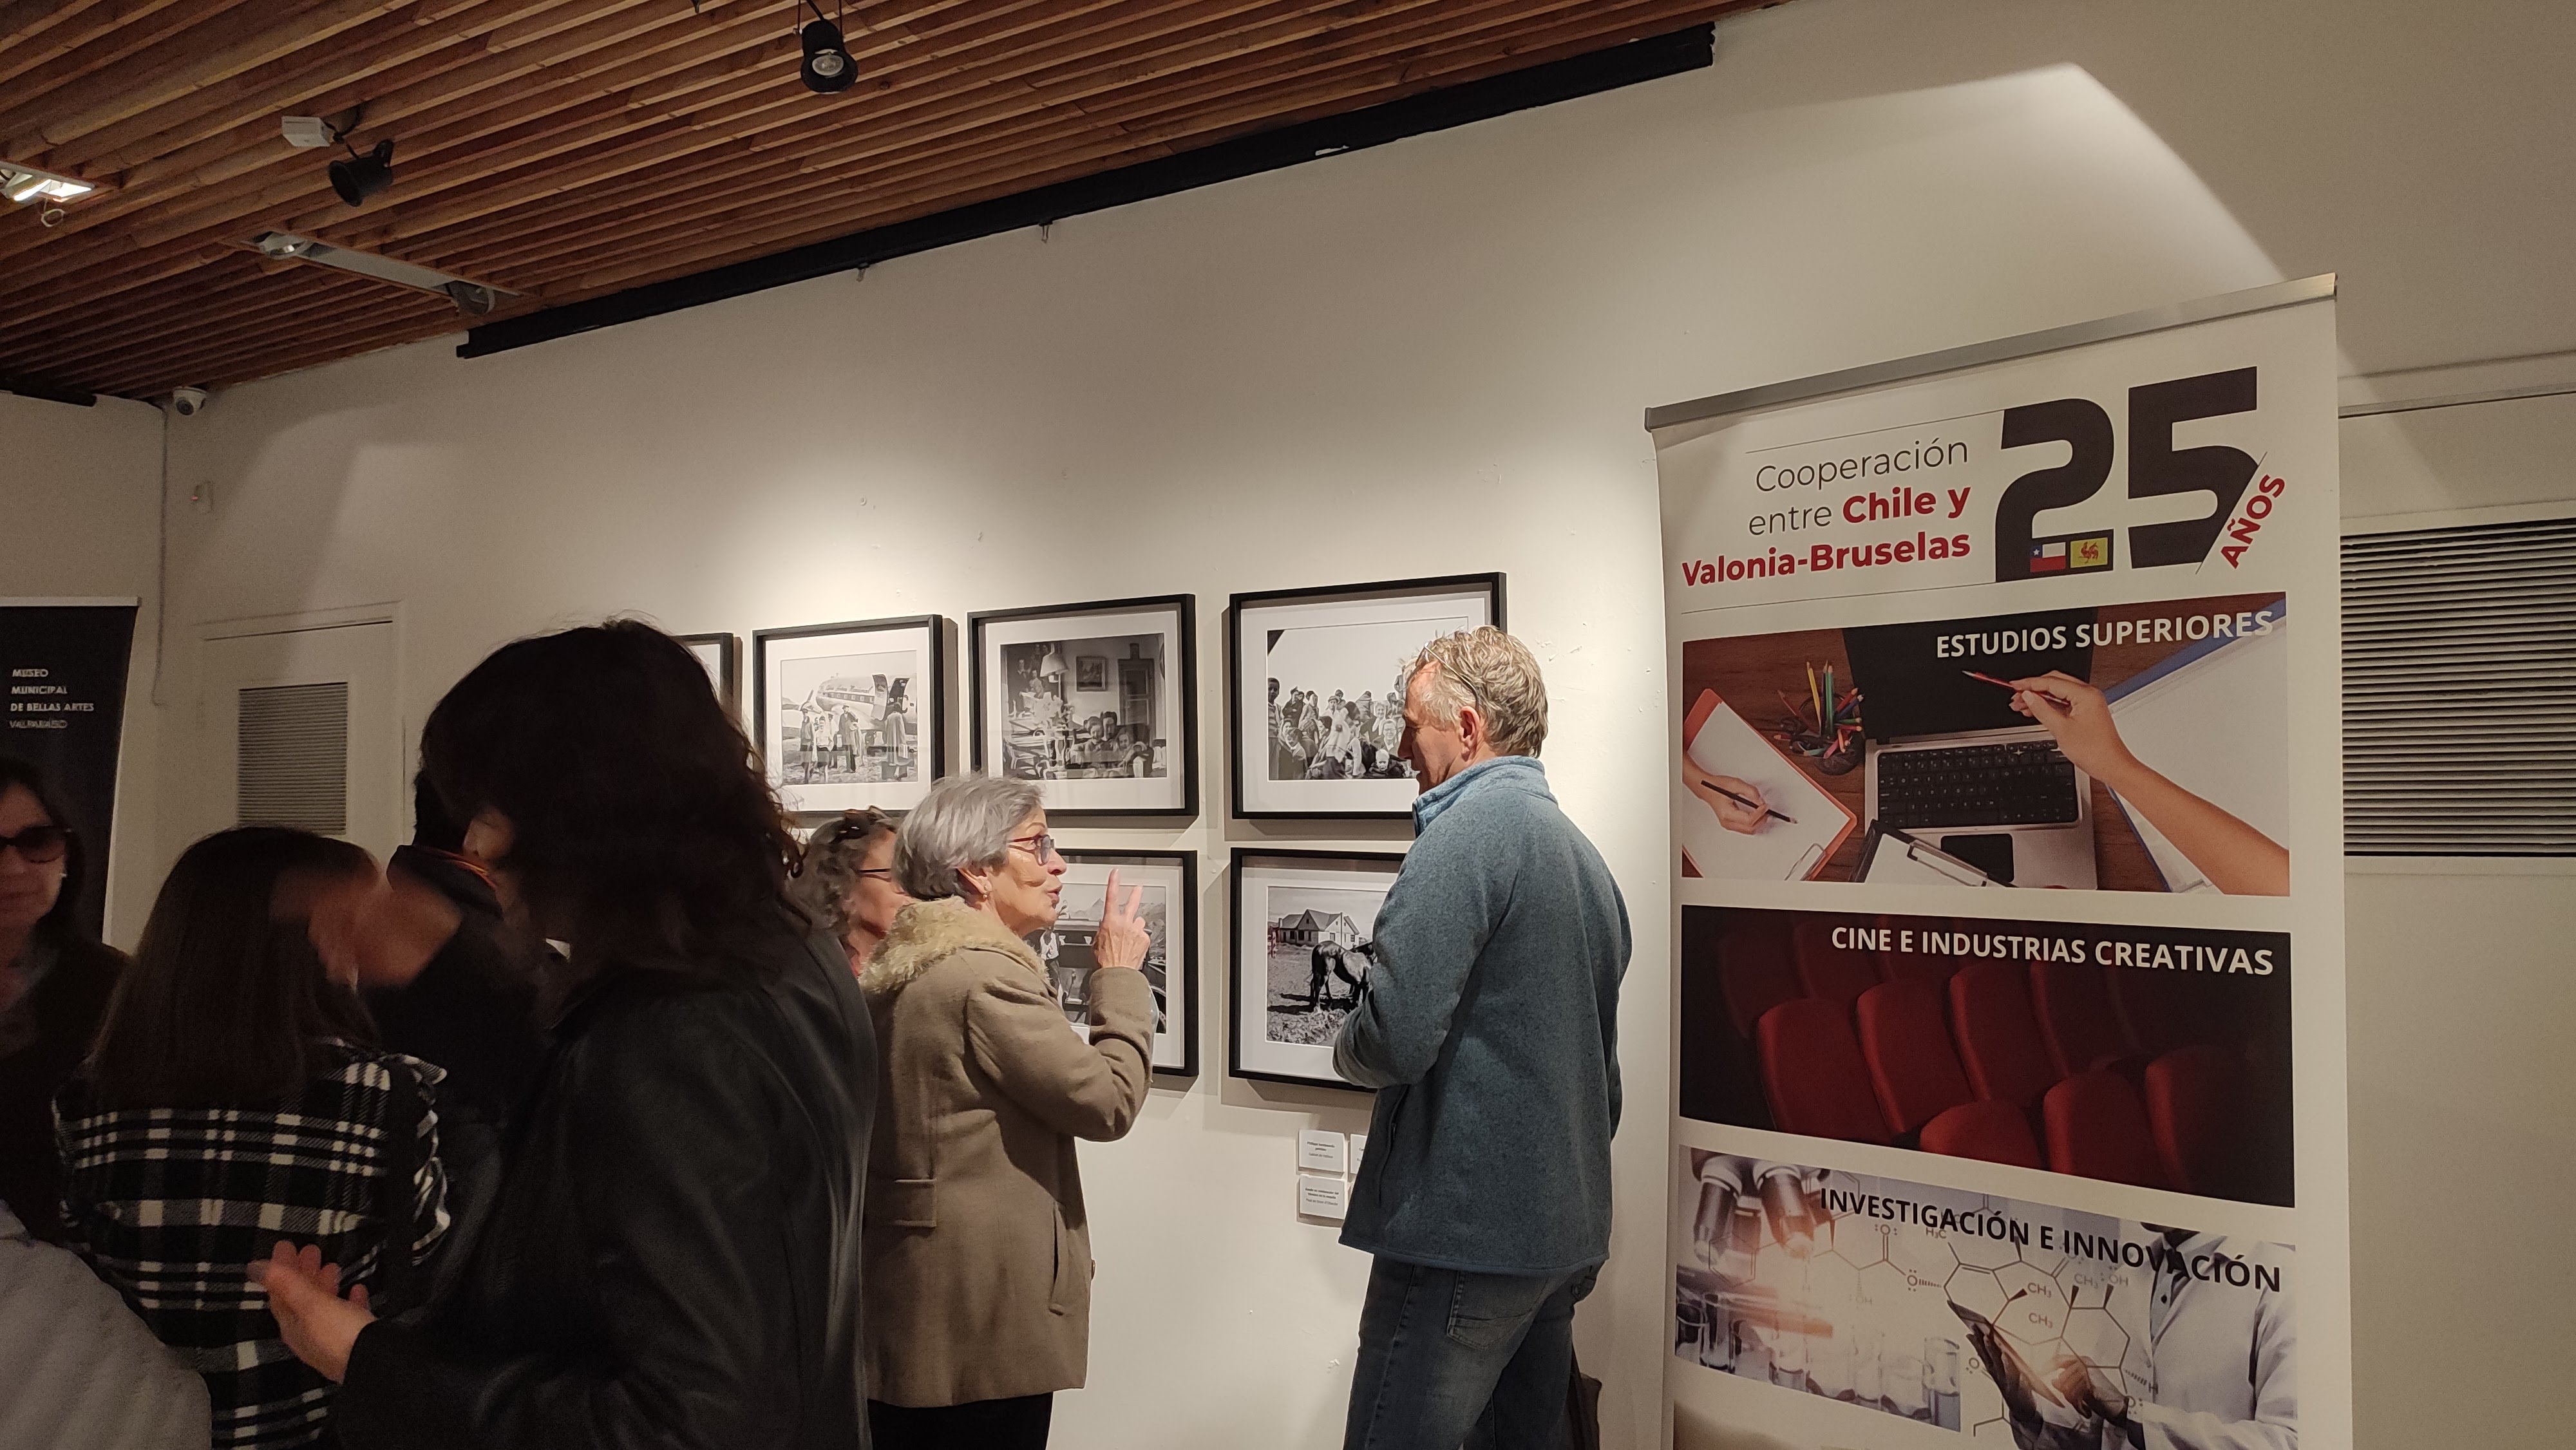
(2459, 691)
(294, 757)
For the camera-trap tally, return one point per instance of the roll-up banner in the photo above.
(2007, 814)
(64, 661)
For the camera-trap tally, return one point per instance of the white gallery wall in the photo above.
(1432, 357)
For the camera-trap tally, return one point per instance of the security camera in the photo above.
(189, 402)
(471, 298)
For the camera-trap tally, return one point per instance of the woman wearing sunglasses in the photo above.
(55, 981)
(976, 1252)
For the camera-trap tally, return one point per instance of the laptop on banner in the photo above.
(1952, 764)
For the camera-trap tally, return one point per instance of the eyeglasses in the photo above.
(38, 845)
(1041, 845)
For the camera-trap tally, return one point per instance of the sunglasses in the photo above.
(39, 845)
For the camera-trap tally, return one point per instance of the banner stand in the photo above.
(64, 662)
(2007, 829)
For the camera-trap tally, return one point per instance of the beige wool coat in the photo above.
(977, 1254)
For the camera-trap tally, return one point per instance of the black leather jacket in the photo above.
(673, 1260)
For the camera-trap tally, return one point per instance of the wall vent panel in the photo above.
(2459, 691)
(294, 757)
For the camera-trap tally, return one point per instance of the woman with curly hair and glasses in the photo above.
(846, 882)
(672, 1256)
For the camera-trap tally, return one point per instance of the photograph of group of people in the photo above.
(848, 716)
(1085, 709)
(848, 720)
(1337, 737)
(1315, 690)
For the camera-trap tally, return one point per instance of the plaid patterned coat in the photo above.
(172, 1205)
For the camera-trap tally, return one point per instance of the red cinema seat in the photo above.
(2097, 1129)
(2196, 1110)
(1996, 1132)
(2075, 1017)
(2154, 1007)
(1813, 1071)
(1998, 1039)
(1756, 976)
(1908, 955)
(1906, 1041)
(1828, 972)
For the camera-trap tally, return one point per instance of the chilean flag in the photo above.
(2049, 558)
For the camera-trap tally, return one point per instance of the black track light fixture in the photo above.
(828, 67)
(361, 177)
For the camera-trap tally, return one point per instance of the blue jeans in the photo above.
(1450, 1359)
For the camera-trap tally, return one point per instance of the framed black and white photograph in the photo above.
(1169, 881)
(1304, 938)
(721, 655)
(1097, 702)
(852, 715)
(1315, 690)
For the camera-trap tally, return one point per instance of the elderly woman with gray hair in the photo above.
(976, 1251)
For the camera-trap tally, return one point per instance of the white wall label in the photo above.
(1321, 1197)
(1322, 1151)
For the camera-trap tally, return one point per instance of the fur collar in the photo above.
(926, 932)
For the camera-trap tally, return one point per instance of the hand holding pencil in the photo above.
(2079, 718)
(1738, 803)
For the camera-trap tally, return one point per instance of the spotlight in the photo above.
(361, 177)
(25, 185)
(471, 298)
(827, 66)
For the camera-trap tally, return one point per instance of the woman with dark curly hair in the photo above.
(673, 1255)
(847, 882)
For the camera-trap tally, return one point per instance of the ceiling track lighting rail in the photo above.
(474, 299)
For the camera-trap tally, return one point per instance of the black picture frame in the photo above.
(933, 699)
(1237, 923)
(1085, 803)
(1180, 945)
(1240, 607)
(728, 667)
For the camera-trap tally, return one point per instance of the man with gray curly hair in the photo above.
(1489, 1028)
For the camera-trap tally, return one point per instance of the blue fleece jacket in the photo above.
(1489, 1025)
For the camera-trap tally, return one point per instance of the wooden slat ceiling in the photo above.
(563, 149)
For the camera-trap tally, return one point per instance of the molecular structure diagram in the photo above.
(1866, 1275)
(2052, 1306)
